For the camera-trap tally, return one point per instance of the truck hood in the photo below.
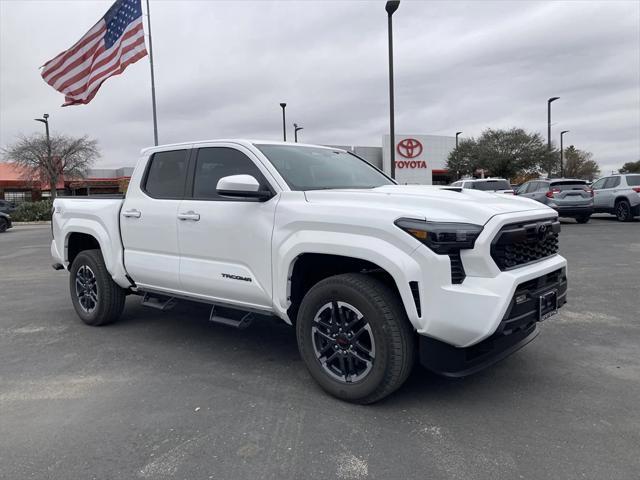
(434, 203)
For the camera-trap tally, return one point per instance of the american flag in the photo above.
(113, 43)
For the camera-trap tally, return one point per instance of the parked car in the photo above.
(497, 185)
(370, 273)
(5, 222)
(6, 206)
(618, 195)
(569, 197)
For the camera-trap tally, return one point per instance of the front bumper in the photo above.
(517, 328)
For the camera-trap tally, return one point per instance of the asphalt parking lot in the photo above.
(170, 395)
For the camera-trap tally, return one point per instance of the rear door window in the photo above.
(166, 174)
(611, 182)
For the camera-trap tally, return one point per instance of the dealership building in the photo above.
(18, 186)
(420, 159)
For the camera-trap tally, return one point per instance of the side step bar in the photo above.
(159, 302)
(230, 317)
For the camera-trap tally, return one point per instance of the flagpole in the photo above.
(153, 83)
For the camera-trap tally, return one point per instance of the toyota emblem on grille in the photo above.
(543, 231)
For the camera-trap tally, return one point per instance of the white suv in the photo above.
(618, 195)
(497, 185)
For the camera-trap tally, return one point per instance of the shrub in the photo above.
(32, 211)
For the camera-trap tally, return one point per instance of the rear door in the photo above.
(606, 194)
(149, 224)
(225, 244)
(571, 193)
(598, 193)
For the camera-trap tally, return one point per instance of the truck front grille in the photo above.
(519, 244)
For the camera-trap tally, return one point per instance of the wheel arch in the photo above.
(307, 268)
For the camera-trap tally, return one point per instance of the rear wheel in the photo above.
(97, 299)
(3, 225)
(355, 338)
(584, 219)
(623, 211)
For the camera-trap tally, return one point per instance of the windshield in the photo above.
(313, 168)
(489, 185)
(633, 180)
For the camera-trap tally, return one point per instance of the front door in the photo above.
(149, 223)
(225, 243)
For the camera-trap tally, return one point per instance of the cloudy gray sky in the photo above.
(222, 67)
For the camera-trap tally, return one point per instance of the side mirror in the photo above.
(242, 186)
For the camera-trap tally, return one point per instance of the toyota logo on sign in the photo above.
(409, 148)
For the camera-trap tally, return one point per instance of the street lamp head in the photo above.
(552, 99)
(458, 133)
(564, 131)
(45, 116)
(391, 7)
(283, 104)
(40, 120)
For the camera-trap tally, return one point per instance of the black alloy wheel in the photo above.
(623, 211)
(86, 289)
(343, 342)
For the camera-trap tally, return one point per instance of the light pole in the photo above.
(391, 7)
(552, 99)
(296, 128)
(45, 120)
(562, 153)
(457, 153)
(284, 124)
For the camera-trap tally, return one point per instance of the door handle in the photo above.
(132, 213)
(190, 215)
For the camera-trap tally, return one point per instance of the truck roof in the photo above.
(240, 141)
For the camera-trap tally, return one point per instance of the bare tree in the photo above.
(70, 157)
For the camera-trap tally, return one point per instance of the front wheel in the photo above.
(623, 211)
(96, 298)
(4, 225)
(354, 337)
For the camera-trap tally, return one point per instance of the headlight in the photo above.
(441, 237)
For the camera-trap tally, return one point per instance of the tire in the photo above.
(583, 219)
(623, 211)
(383, 335)
(4, 225)
(96, 298)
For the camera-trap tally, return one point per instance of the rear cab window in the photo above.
(166, 174)
(491, 185)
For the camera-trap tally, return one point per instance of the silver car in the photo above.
(618, 195)
(569, 197)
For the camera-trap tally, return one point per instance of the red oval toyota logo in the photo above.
(409, 148)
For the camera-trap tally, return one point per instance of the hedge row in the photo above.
(32, 211)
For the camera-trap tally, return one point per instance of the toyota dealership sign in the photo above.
(417, 156)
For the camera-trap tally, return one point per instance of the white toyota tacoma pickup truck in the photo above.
(373, 275)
